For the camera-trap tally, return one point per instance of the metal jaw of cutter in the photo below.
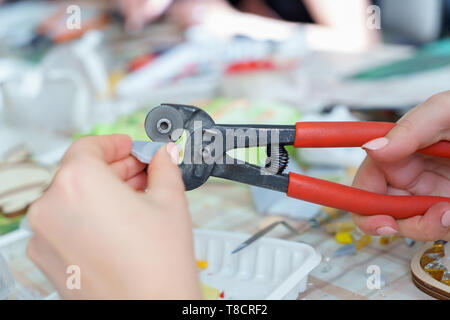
(207, 144)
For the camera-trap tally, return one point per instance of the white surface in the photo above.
(270, 202)
(45, 147)
(13, 237)
(6, 279)
(267, 269)
(13, 248)
(343, 157)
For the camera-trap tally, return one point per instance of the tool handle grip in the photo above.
(352, 134)
(356, 200)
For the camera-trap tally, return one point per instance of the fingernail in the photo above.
(386, 231)
(445, 220)
(376, 144)
(174, 151)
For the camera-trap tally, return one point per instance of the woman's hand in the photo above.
(127, 244)
(392, 167)
(138, 12)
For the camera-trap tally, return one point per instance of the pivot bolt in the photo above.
(164, 126)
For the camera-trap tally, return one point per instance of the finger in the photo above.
(137, 15)
(164, 176)
(397, 192)
(370, 178)
(439, 166)
(135, 21)
(380, 225)
(403, 173)
(433, 225)
(127, 7)
(417, 175)
(107, 148)
(128, 168)
(138, 182)
(154, 9)
(423, 126)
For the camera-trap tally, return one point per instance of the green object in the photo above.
(441, 47)
(9, 224)
(431, 57)
(222, 110)
(132, 125)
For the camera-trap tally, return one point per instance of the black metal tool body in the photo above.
(207, 144)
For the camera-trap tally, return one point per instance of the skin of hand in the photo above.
(341, 26)
(187, 13)
(392, 167)
(139, 12)
(127, 243)
(224, 21)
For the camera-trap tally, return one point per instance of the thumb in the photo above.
(423, 126)
(163, 172)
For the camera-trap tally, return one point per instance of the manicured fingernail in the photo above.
(376, 144)
(174, 151)
(386, 231)
(445, 220)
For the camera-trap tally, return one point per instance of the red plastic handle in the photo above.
(356, 200)
(352, 134)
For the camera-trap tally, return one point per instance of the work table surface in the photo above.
(228, 206)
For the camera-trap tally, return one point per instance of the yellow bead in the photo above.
(384, 241)
(363, 241)
(344, 237)
(435, 269)
(446, 278)
(202, 264)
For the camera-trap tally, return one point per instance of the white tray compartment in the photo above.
(267, 269)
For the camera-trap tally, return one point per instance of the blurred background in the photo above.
(69, 69)
(73, 68)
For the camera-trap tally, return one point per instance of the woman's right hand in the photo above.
(393, 167)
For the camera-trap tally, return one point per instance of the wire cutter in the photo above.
(207, 144)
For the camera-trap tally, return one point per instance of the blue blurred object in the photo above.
(430, 57)
(447, 16)
(413, 22)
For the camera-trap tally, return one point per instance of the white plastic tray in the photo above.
(13, 249)
(269, 268)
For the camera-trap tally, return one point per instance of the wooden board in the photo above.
(424, 281)
(20, 185)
